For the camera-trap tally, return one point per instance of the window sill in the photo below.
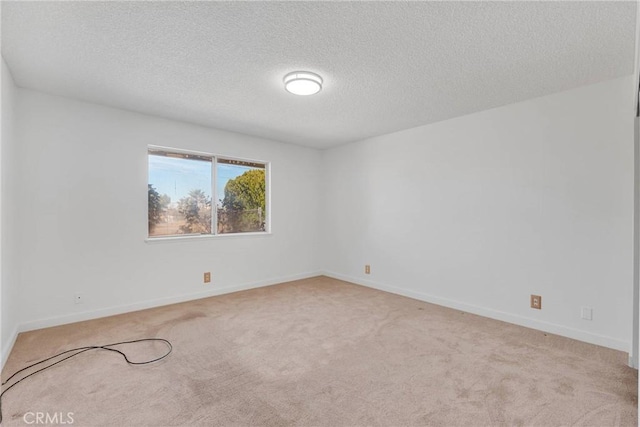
(175, 239)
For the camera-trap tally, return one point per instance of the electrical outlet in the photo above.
(207, 277)
(367, 269)
(586, 313)
(536, 302)
(78, 298)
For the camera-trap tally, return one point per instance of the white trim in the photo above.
(481, 311)
(111, 311)
(178, 151)
(492, 314)
(204, 154)
(633, 353)
(177, 238)
(6, 351)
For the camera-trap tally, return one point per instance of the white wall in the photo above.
(8, 242)
(481, 211)
(476, 213)
(83, 195)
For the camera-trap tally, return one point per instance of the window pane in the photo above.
(179, 194)
(241, 189)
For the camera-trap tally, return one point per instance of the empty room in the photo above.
(319, 213)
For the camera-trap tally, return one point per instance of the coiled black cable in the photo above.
(80, 350)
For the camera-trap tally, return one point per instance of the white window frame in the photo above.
(214, 197)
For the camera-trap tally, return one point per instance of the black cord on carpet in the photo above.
(77, 351)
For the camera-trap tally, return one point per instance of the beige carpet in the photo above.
(321, 352)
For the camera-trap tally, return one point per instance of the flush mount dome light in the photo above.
(302, 83)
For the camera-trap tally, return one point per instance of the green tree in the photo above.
(246, 191)
(244, 203)
(158, 205)
(196, 209)
(155, 208)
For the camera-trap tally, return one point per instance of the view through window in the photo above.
(189, 193)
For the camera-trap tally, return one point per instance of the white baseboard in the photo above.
(110, 311)
(6, 350)
(481, 311)
(552, 328)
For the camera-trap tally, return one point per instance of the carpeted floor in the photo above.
(321, 352)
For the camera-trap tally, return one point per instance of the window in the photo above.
(204, 194)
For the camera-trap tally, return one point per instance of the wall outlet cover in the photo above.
(536, 302)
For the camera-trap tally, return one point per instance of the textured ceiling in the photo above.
(386, 65)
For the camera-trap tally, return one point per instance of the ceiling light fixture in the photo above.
(302, 83)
